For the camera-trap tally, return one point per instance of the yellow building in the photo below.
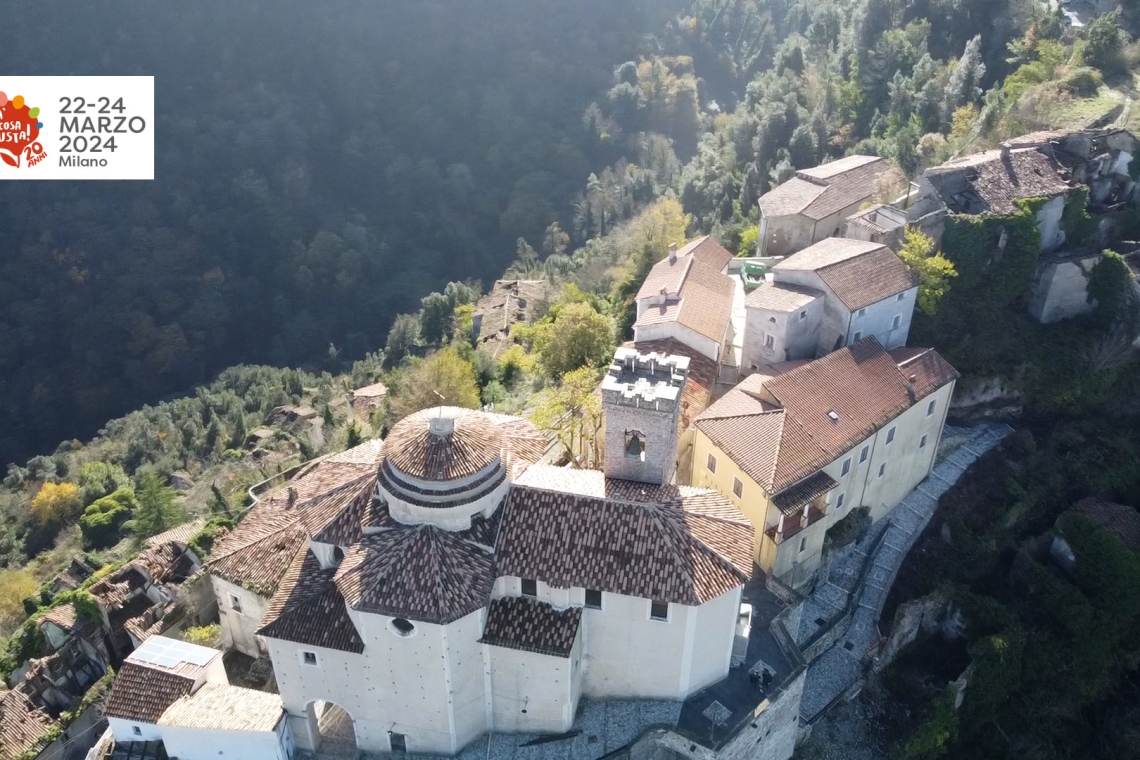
(798, 451)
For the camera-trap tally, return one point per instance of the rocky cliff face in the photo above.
(985, 398)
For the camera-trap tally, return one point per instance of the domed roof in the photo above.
(443, 443)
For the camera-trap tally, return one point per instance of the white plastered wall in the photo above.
(239, 629)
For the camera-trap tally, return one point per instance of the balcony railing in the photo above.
(793, 525)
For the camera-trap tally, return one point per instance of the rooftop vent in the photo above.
(831, 414)
(672, 253)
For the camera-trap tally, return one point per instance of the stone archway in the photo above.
(334, 730)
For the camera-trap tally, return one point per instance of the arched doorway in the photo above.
(334, 732)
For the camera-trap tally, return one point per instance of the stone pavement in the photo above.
(841, 666)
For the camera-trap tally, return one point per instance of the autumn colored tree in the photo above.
(934, 271)
(14, 586)
(56, 503)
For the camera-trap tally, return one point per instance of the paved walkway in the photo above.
(841, 666)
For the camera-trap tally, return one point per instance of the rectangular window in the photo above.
(930, 408)
(803, 315)
(136, 730)
(858, 334)
(891, 434)
(235, 603)
(737, 488)
(882, 469)
(839, 501)
(863, 454)
(901, 296)
(593, 598)
(922, 442)
(862, 312)
(398, 742)
(896, 322)
(529, 587)
(309, 658)
(710, 463)
(659, 611)
(769, 341)
(846, 468)
(803, 544)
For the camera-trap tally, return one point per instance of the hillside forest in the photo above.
(337, 185)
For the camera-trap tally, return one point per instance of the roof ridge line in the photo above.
(293, 522)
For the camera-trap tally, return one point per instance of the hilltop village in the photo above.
(702, 578)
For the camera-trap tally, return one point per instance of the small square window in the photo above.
(659, 610)
(737, 488)
(862, 312)
(529, 587)
(235, 603)
(803, 544)
(839, 501)
(863, 454)
(882, 469)
(891, 435)
(922, 442)
(710, 463)
(901, 296)
(803, 315)
(593, 598)
(398, 742)
(309, 658)
(846, 467)
(858, 334)
(136, 730)
(896, 322)
(930, 408)
(769, 340)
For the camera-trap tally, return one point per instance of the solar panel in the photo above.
(170, 653)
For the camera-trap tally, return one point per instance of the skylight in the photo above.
(834, 417)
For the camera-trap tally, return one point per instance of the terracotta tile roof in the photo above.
(181, 534)
(781, 296)
(990, 182)
(697, 393)
(792, 500)
(308, 608)
(222, 707)
(708, 251)
(165, 561)
(778, 429)
(868, 279)
(142, 693)
(578, 528)
(510, 302)
(335, 517)
(519, 622)
(376, 390)
(258, 552)
(1122, 520)
(414, 450)
(420, 573)
(825, 253)
(65, 616)
(704, 304)
(820, 192)
(22, 724)
(367, 454)
(666, 275)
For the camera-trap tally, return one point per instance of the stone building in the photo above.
(458, 588)
(878, 224)
(687, 297)
(799, 451)
(827, 296)
(815, 203)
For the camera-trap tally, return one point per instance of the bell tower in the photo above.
(641, 400)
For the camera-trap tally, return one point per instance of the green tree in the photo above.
(573, 412)
(1108, 284)
(1104, 47)
(435, 318)
(934, 271)
(353, 437)
(578, 337)
(14, 586)
(445, 373)
(103, 519)
(204, 636)
(157, 509)
(98, 479)
(239, 434)
(402, 338)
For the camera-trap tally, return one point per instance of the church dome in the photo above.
(443, 444)
(443, 465)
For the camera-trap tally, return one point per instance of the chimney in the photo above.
(292, 496)
(1005, 151)
(910, 388)
(672, 253)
